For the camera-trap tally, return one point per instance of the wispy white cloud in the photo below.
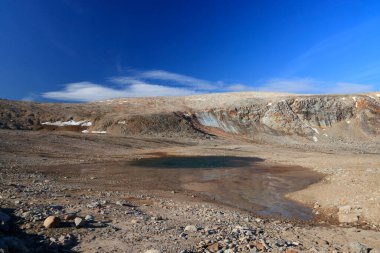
(312, 86)
(87, 91)
(166, 76)
(140, 84)
(164, 83)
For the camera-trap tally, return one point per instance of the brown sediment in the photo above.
(242, 182)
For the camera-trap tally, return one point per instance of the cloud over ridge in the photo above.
(163, 83)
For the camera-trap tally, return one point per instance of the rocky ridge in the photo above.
(313, 117)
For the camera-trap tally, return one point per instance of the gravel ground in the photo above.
(112, 217)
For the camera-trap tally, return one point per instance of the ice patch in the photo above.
(315, 139)
(68, 123)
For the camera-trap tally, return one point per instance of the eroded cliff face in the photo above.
(303, 116)
(314, 118)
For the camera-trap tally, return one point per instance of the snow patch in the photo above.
(315, 139)
(269, 104)
(98, 132)
(325, 135)
(69, 123)
(354, 98)
(85, 131)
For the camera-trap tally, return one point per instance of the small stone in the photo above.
(191, 228)
(290, 250)
(70, 216)
(25, 214)
(61, 239)
(94, 205)
(153, 251)
(213, 247)
(89, 218)
(52, 222)
(79, 222)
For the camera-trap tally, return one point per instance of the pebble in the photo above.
(79, 222)
(153, 251)
(191, 228)
(89, 218)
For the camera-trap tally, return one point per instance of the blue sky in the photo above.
(66, 50)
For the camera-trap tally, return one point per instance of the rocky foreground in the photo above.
(45, 208)
(42, 214)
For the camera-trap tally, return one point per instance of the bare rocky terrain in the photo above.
(69, 162)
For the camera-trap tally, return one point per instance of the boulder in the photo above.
(52, 222)
(347, 214)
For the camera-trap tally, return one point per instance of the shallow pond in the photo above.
(244, 182)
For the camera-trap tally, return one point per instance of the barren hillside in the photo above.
(254, 116)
